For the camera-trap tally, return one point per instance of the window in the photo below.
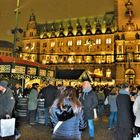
(108, 41)
(120, 49)
(44, 45)
(60, 43)
(79, 42)
(53, 44)
(70, 43)
(98, 41)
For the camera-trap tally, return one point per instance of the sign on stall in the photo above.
(31, 71)
(42, 72)
(5, 68)
(20, 69)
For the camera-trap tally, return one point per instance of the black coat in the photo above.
(125, 119)
(89, 102)
(7, 103)
(49, 93)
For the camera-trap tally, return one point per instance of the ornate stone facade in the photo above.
(107, 46)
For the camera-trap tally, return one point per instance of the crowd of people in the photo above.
(69, 110)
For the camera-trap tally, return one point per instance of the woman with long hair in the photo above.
(66, 116)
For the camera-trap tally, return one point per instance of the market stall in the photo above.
(22, 71)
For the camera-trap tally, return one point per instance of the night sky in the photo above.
(46, 10)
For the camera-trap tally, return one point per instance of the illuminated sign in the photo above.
(31, 71)
(20, 69)
(42, 72)
(50, 73)
(5, 68)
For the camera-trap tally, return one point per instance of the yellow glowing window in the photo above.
(79, 42)
(53, 44)
(108, 41)
(98, 41)
(70, 43)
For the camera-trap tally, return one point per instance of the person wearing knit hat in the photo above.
(3, 83)
(89, 102)
(7, 101)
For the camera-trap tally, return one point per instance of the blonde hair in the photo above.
(114, 90)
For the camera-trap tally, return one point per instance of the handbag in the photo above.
(137, 137)
(7, 127)
(95, 113)
(106, 101)
(57, 126)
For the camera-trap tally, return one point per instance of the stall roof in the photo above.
(8, 59)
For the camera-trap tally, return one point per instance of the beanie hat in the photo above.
(3, 83)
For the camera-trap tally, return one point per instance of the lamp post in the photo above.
(16, 29)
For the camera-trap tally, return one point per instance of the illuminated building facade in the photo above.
(107, 46)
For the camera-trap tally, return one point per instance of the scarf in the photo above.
(122, 91)
(86, 91)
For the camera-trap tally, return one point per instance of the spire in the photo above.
(31, 30)
(32, 17)
(32, 22)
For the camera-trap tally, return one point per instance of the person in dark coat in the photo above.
(125, 120)
(17, 91)
(7, 101)
(48, 93)
(26, 91)
(89, 101)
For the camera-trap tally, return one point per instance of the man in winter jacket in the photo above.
(89, 101)
(7, 100)
(125, 120)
